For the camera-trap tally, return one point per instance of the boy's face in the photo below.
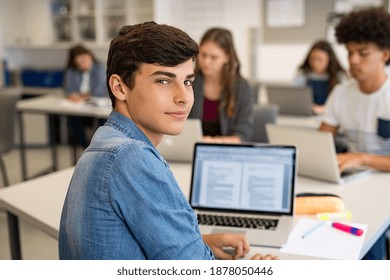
(366, 60)
(161, 99)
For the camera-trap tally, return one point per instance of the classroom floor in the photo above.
(35, 244)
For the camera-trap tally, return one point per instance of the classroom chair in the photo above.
(263, 114)
(255, 86)
(8, 99)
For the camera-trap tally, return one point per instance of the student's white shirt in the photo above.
(85, 85)
(357, 114)
(350, 108)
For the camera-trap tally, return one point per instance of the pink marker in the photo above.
(349, 229)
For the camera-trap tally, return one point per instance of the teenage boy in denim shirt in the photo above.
(123, 201)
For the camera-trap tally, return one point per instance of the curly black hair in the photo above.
(365, 25)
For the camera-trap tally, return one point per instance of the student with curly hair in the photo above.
(360, 108)
(320, 70)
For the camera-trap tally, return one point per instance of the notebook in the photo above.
(291, 100)
(180, 147)
(234, 186)
(316, 153)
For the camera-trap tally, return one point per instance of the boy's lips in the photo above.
(177, 114)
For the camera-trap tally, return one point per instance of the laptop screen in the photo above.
(292, 100)
(246, 177)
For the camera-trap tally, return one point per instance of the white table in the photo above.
(58, 105)
(40, 202)
(34, 91)
(313, 122)
(53, 105)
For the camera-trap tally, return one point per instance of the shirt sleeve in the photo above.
(243, 125)
(98, 81)
(154, 208)
(331, 113)
(71, 81)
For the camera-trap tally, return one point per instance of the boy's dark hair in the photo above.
(150, 43)
(365, 25)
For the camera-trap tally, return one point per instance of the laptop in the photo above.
(316, 153)
(180, 147)
(291, 100)
(244, 188)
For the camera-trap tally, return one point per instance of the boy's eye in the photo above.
(163, 82)
(188, 82)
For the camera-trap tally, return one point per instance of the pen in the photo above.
(349, 229)
(313, 229)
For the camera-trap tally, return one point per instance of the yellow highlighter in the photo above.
(334, 215)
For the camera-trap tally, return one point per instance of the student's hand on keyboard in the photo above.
(219, 241)
(349, 160)
(265, 257)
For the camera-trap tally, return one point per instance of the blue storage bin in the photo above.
(7, 77)
(42, 78)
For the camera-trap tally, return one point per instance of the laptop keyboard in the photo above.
(240, 222)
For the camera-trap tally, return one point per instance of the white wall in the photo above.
(41, 58)
(195, 17)
(279, 62)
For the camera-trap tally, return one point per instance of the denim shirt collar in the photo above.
(127, 127)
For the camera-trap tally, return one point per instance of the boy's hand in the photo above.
(265, 257)
(219, 242)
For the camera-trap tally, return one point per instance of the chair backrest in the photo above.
(8, 99)
(263, 113)
(255, 86)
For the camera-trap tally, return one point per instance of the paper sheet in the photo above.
(78, 105)
(326, 242)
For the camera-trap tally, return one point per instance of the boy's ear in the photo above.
(386, 55)
(117, 87)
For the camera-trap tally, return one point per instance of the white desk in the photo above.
(313, 122)
(33, 91)
(57, 105)
(40, 202)
(53, 105)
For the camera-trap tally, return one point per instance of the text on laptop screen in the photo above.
(243, 177)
